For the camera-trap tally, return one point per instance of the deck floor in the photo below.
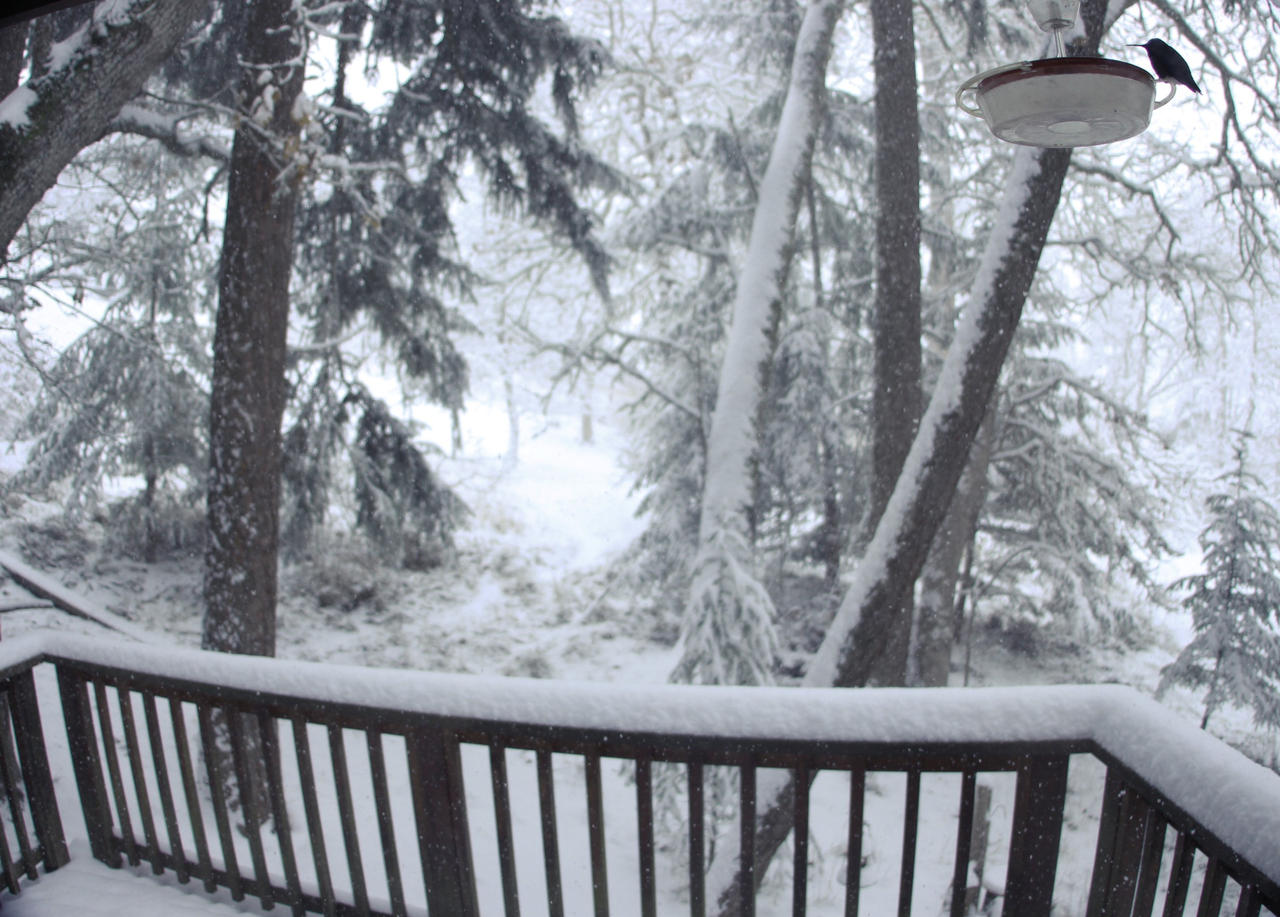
(87, 888)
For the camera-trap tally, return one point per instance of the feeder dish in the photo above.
(1062, 101)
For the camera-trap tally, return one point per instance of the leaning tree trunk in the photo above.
(728, 634)
(247, 401)
(924, 489)
(70, 107)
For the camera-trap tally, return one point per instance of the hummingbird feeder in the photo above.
(1061, 101)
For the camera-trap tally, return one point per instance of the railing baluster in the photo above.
(12, 880)
(246, 772)
(1250, 904)
(550, 842)
(1119, 851)
(747, 839)
(697, 842)
(156, 742)
(1215, 883)
(644, 826)
(34, 759)
(440, 812)
(113, 769)
(124, 699)
(1153, 832)
(1175, 899)
(853, 863)
(86, 764)
(386, 830)
(269, 736)
(9, 770)
(1037, 829)
(502, 819)
(347, 812)
(311, 806)
(209, 744)
(800, 779)
(964, 841)
(595, 835)
(190, 793)
(910, 831)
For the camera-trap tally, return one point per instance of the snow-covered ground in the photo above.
(528, 596)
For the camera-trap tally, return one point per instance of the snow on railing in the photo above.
(431, 742)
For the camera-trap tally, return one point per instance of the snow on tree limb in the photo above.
(70, 107)
(924, 489)
(740, 625)
(166, 128)
(763, 274)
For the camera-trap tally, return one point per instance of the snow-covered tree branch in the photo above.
(728, 633)
(47, 121)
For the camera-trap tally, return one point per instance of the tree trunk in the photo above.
(13, 46)
(729, 633)
(936, 614)
(895, 320)
(247, 400)
(71, 107)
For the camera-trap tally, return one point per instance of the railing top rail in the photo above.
(1233, 798)
(918, 716)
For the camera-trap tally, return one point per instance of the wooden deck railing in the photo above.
(402, 793)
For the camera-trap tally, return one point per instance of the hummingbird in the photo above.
(1168, 64)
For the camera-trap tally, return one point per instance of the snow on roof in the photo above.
(1235, 799)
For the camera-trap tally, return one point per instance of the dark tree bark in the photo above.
(73, 105)
(936, 614)
(895, 320)
(13, 46)
(247, 401)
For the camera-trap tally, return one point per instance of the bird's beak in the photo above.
(1132, 45)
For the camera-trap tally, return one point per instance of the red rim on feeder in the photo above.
(1062, 101)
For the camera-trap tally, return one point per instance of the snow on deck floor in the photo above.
(87, 888)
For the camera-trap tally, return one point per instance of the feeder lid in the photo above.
(1062, 101)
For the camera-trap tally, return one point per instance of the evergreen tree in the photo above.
(1235, 603)
(376, 242)
(130, 395)
(690, 233)
(1068, 523)
(375, 247)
